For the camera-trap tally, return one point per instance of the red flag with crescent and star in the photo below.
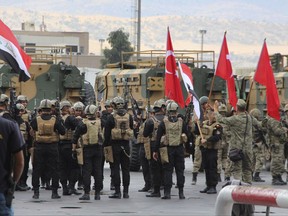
(173, 88)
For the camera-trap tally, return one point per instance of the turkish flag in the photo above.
(11, 52)
(173, 88)
(224, 70)
(264, 75)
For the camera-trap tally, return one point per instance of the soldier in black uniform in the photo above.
(150, 131)
(209, 143)
(47, 129)
(25, 131)
(105, 114)
(4, 104)
(92, 139)
(68, 167)
(118, 133)
(172, 131)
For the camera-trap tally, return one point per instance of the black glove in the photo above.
(74, 154)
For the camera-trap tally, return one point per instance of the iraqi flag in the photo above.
(11, 52)
(188, 83)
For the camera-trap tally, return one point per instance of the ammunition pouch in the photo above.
(108, 154)
(80, 159)
(236, 155)
(147, 149)
(164, 155)
(184, 138)
(121, 134)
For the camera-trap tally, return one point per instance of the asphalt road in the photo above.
(138, 204)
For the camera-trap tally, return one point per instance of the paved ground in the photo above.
(194, 204)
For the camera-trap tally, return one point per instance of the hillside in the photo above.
(244, 37)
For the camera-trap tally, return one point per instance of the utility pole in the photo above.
(139, 30)
(101, 46)
(202, 32)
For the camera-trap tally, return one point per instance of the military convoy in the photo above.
(51, 78)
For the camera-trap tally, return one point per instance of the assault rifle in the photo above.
(13, 98)
(136, 112)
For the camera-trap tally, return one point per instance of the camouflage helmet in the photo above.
(172, 107)
(20, 106)
(168, 101)
(78, 106)
(241, 103)
(119, 102)
(157, 104)
(286, 108)
(108, 102)
(222, 108)
(45, 104)
(64, 103)
(203, 100)
(162, 102)
(256, 113)
(4, 98)
(90, 110)
(22, 98)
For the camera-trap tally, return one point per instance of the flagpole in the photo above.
(212, 84)
(199, 129)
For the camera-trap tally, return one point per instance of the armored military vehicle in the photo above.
(51, 78)
(142, 81)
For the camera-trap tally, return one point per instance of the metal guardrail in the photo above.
(231, 194)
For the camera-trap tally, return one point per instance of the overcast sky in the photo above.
(260, 10)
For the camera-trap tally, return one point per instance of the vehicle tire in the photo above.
(134, 156)
(89, 94)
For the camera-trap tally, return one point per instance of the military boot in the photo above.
(181, 193)
(167, 193)
(212, 190)
(97, 195)
(86, 196)
(205, 190)
(194, 178)
(66, 191)
(125, 192)
(36, 193)
(55, 194)
(74, 191)
(117, 194)
(281, 180)
(276, 181)
(257, 178)
(155, 193)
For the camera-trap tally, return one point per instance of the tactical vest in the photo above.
(207, 132)
(26, 115)
(122, 130)
(46, 133)
(23, 129)
(91, 137)
(68, 133)
(156, 123)
(173, 132)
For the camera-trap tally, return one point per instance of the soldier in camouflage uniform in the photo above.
(241, 133)
(222, 154)
(285, 124)
(258, 145)
(278, 135)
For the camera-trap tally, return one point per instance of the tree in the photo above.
(119, 42)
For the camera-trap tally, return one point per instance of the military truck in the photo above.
(51, 78)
